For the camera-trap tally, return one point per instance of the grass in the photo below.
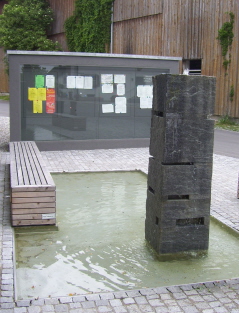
(227, 123)
(4, 97)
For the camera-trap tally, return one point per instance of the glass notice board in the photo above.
(82, 103)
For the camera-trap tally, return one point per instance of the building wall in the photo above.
(187, 29)
(62, 10)
(182, 28)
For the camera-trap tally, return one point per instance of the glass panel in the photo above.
(82, 103)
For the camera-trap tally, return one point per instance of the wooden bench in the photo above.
(33, 191)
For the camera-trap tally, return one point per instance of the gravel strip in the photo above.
(5, 133)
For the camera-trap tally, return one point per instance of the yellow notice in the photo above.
(41, 94)
(37, 106)
(32, 94)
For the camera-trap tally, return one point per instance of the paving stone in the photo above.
(104, 309)
(92, 297)
(8, 305)
(221, 310)
(74, 305)
(133, 293)
(214, 304)
(51, 301)
(186, 287)
(166, 296)
(196, 298)
(120, 309)
(88, 304)
(120, 294)
(78, 310)
(145, 308)
(202, 305)
(48, 308)
(160, 290)
(20, 310)
(146, 292)
(179, 295)
(133, 308)
(155, 302)
(128, 301)
(61, 308)
(209, 298)
(190, 309)
(65, 300)
(34, 309)
(8, 293)
(23, 303)
(79, 299)
(116, 302)
(38, 302)
(6, 299)
(141, 300)
(153, 296)
(107, 296)
(101, 302)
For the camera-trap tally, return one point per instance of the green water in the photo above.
(99, 245)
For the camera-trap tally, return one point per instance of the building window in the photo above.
(192, 67)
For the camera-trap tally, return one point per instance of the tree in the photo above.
(88, 29)
(24, 25)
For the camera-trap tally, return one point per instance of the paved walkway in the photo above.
(208, 297)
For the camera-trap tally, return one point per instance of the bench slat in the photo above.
(29, 217)
(36, 161)
(33, 188)
(29, 165)
(32, 211)
(45, 171)
(33, 200)
(34, 194)
(33, 222)
(33, 205)
(13, 166)
(21, 165)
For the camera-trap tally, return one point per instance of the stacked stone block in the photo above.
(180, 166)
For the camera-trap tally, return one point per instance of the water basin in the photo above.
(99, 244)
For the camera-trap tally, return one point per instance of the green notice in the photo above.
(39, 81)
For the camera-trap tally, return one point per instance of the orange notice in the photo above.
(50, 100)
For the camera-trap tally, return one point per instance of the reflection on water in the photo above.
(100, 244)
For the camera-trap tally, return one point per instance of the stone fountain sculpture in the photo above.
(180, 164)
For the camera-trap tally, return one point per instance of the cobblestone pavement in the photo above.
(207, 297)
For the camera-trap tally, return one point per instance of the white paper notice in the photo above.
(107, 78)
(70, 82)
(120, 105)
(50, 81)
(108, 108)
(107, 88)
(146, 102)
(119, 79)
(148, 90)
(88, 83)
(80, 82)
(120, 89)
(145, 91)
(140, 91)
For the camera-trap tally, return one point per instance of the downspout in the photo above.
(112, 30)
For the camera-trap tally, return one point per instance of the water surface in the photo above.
(100, 246)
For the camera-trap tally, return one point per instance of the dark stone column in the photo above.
(180, 166)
